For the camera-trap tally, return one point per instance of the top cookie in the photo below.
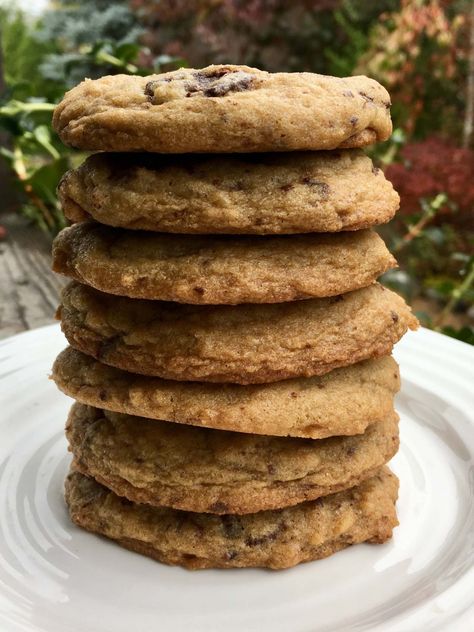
(223, 109)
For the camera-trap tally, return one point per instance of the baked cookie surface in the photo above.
(342, 402)
(244, 344)
(219, 269)
(223, 109)
(298, 192)
(270, 539)
(203, 470)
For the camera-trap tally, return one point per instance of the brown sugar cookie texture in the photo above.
(282, 193)
(219, 269)
(204, 470)
(223, 109)
(271, 539)
(245, 344)
(342, 402)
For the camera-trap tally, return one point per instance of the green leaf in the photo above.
(46, 179)
(465, 334)
(127, 52)
(425, 319)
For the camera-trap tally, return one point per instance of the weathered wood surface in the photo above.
(29, 290)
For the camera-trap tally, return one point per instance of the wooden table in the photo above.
(29, 290)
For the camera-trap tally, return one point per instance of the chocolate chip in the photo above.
(216, 73)
(238, 82)
(102, 396)
(267, 537)
(271, 469)
(353, 120)
(367, 97)
(199, 290)
(287, 187)
(232, 526)
(321, 187)
(351, 450)
(150, 89)
(218, 83)
(394, 316)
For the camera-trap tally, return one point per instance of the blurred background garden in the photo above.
(421, 50)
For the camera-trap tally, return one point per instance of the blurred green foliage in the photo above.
(419, 49)
(43, 59)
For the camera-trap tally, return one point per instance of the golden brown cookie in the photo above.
(342, 402)
(199, 469)
(282, 193)
(271, 539)
(223, 109)
(245, 344)
(219, 269)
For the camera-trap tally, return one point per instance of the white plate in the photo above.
(55, 577)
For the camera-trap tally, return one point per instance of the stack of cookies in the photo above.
(230, 347)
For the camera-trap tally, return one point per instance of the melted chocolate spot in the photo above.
(267, 537)
(367, 97)
(232, 526)
(231, 82)
(216, 83)
(321, 187)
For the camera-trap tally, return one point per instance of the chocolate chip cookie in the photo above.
(223, 109)
(219, 269)
(299, 192)
(199, 469)
(245, 344)
(342, 402)
(271, 539)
